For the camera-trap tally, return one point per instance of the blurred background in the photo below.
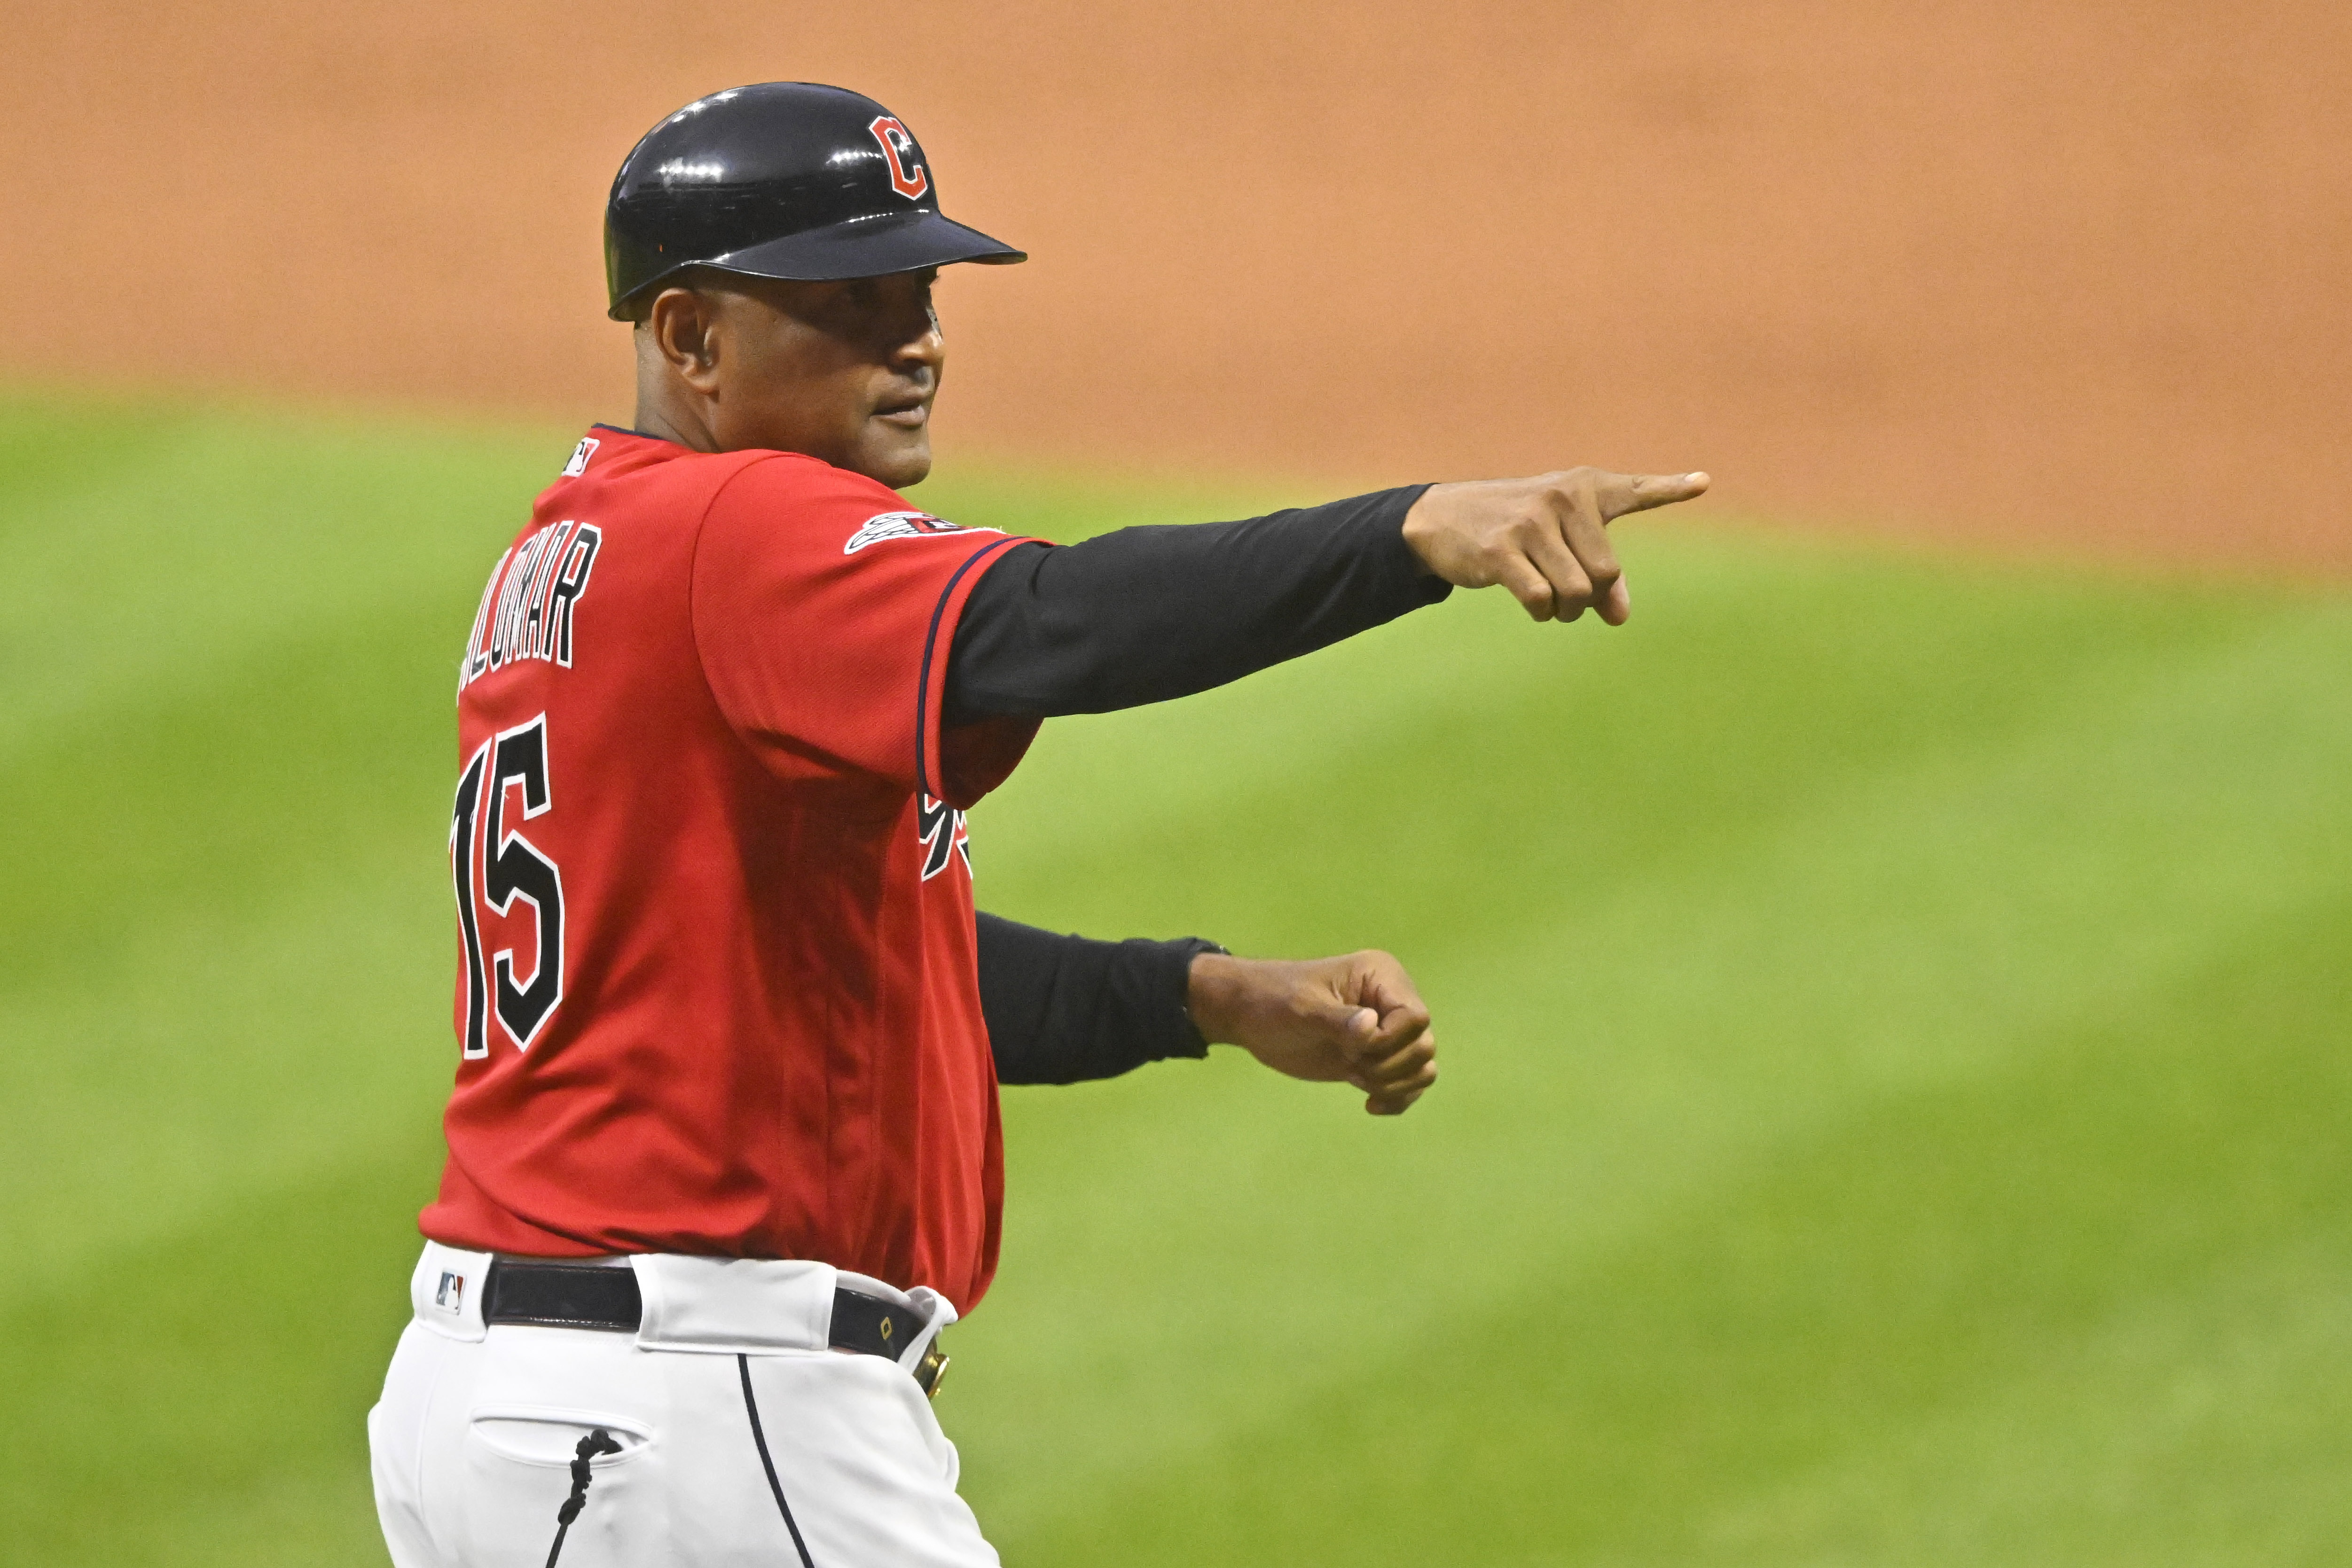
(1894, 992)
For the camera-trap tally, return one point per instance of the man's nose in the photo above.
(925, 346)
(917, 337)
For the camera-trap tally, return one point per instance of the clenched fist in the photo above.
(1545, 539)
(1356, 1020)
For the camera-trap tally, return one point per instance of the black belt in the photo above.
(585, 1296)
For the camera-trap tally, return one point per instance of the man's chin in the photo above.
(898, 458)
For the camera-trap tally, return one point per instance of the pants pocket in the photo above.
(518, 1467)
(544, 1434)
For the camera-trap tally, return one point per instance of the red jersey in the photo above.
(716, 990)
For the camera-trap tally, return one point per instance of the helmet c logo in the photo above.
(909, 180)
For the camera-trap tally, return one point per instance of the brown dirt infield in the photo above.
(2019, 272)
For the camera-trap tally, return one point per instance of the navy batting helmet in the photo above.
(784, 179)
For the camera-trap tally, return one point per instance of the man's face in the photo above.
(845, 371)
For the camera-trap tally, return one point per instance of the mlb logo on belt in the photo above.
(451, 1296)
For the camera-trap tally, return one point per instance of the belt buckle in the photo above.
(930, 1369)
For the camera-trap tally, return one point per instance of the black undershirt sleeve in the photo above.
(1142, 615)
(1130, 617)
(1062, 1009)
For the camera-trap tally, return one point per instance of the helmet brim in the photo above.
(862, 248)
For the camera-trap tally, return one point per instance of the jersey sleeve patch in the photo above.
(903, 525)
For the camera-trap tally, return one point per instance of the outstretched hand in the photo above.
(1545, 539)
(1355, 1020)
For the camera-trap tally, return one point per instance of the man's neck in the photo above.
(652, 420)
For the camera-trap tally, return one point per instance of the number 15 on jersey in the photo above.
(491, 865)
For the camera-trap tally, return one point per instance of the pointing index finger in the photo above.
(1624, 493)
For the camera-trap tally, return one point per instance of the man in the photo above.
(723, 1147)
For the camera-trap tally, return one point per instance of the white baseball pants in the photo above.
(475, 1440)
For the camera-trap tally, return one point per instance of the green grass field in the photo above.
(1894, 1014)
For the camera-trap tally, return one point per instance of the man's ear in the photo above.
(684, 328)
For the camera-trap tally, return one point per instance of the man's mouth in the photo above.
(908, 412)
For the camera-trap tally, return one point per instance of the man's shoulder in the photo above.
(805, 505)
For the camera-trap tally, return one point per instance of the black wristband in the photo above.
(1183, 951)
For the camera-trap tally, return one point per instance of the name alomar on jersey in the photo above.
(527, 612)
(528, 605)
